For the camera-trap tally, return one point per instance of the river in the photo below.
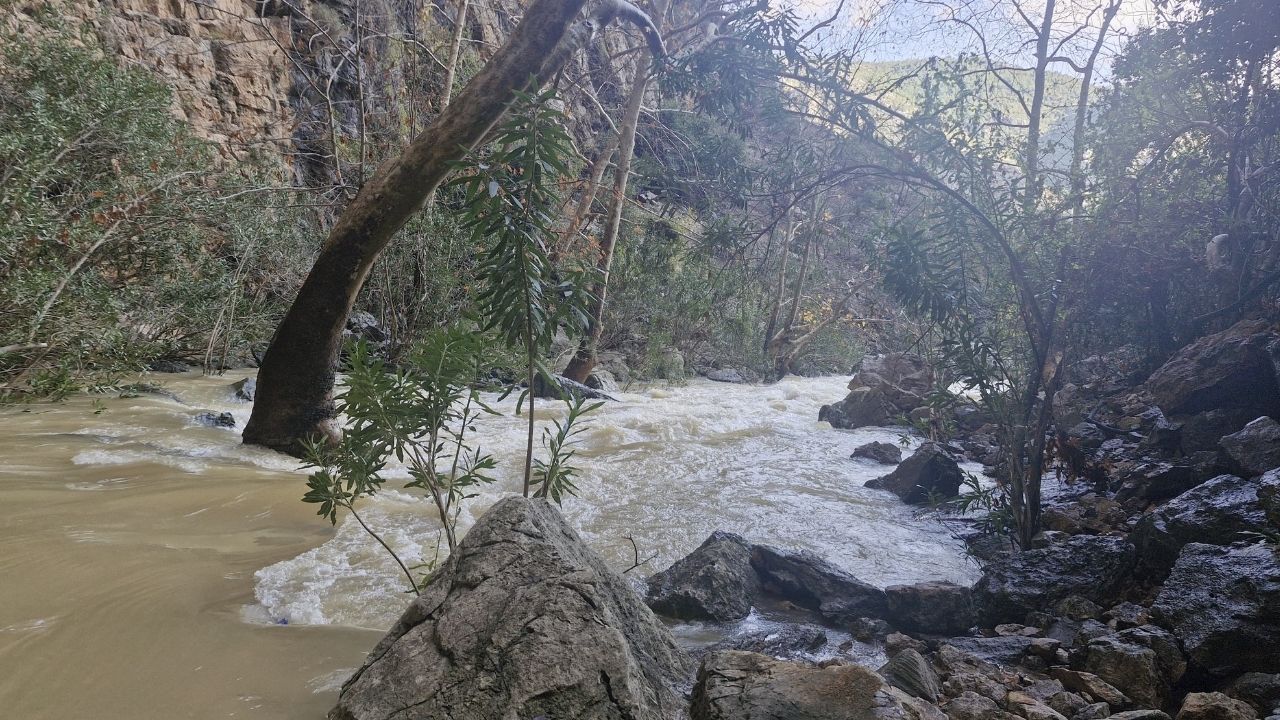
(152, 567)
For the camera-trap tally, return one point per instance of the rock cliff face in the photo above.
(226, 64)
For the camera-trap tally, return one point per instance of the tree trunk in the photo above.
(295, 383)
(584, 361)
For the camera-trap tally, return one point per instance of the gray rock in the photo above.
(1214, 706)
(884, 388)
(1143, 663)
(1224, 605)
(1269, 496)
(1092, 711)
(1214, 512)
(562, 388)
(911, 673)
(1096, 568)
(602, 380)
(1256, 447)
(940, 608)
(789, 642)
(1090, 685)
(714, 582)
(1139, 715)
(735, 685)
(970, 705)
(881, 452)
(523, 620)
(929, 473)
(995, 650)
(244, 389)
(811, 582)
(216, 419)
(726, 375)
(1261, 690)
(1230, 369)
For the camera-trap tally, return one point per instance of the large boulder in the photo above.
(883, 388)
(735, 685)
(1255, 447)
(1214, 512)
(1229, 369)
(1096, 568)
(881, 452)
(811, 582)
(1142, 662)
(714, 582)
(1214, 706)
(936, 607)
(525, 621)
(1224, 605)
(929, 473)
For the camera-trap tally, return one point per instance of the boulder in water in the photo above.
(726, 375)
(523, 620)
(215, 419)
(929, 473)
(883, 388)
(244, 389)
(562, 388)
(714, 582)
(881, 452)
(602, 380)
(811, 582)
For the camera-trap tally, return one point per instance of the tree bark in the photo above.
(295, 382)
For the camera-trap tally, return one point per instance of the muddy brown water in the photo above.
(151, 567)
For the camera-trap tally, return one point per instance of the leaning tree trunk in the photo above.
(295, 383)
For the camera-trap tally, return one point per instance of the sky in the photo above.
(913, 29)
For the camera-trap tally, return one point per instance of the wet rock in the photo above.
(995, 650)
(884, 388)
(1126, 615)
(1092, 711)
(1256, 447)
(523, 620)
(896, 642)
(929, 473)
(860, 408)
(786, 642)
(134, 390)
(911, 673)
(244, 389)
(1224, 605)
(735, 685)
(868, 629)
(1140, 715)
(1143, 663)
(562, 388)
(1214, 512)
(1214, 706)
(602, 380)
(726, 375)
(714, 582)
(1096, 568)
(1229, 369)
(216, 419)
(811, 582)
(881, 452)
(1204, 431)
(170, 366)
(1156, 480)
(939, 608)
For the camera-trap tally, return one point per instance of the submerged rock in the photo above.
(881, 452)
(244, 389)
(811, 582)
(714, 582)
(929, 473)
(216, 419)
(1096, 568)
(1224, 605)
(735, 685)
(523, 620)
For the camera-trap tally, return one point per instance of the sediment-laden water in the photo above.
(151, 567)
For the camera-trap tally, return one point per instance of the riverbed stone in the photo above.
(523, 620)
(881, 452)
(1255, 447)
(929, 473)
(911, 673)
(734, 685)
(1223, 603)
(1097, 568)
(811, 582)
(244, 390)
(935, 607)
(1143, 663)
(714, 582)
(215, 419)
